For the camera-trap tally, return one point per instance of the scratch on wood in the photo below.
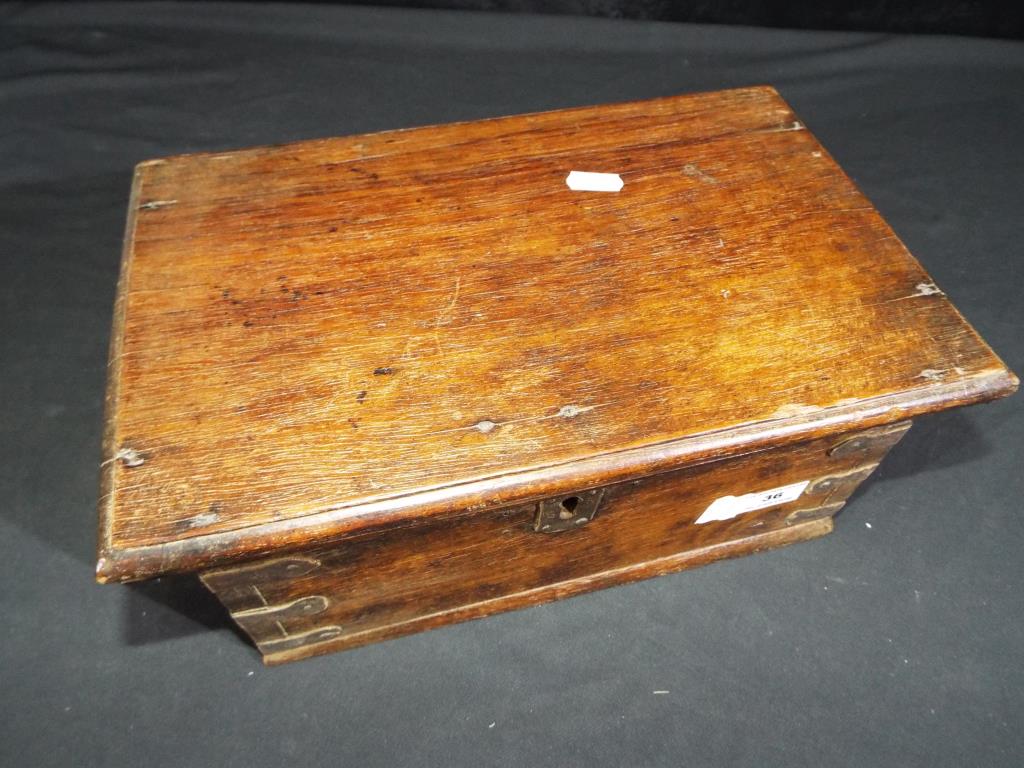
(694, 171)
(921, 289)
(408, 348)
(928, 289)
(154, 204)
(204, 519)
(129, 457)
(444, 315)
(794, 126)
(486, 425)
(794, 409)
(572, 411)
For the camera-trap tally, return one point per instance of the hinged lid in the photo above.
(355, 333)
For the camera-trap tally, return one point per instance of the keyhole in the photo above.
(568, 509)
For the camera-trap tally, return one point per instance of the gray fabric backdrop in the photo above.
(895, 641)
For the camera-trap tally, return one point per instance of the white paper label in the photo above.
(587, 181)
(728, 507)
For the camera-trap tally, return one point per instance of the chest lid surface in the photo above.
(328, 336)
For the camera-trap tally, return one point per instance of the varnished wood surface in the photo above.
(316, 644)
(334, 335)
(398, 582)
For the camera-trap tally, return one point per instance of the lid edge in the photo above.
(117, 564)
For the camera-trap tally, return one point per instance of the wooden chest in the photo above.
(372, 385)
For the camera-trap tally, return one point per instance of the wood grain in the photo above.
(398, 582)
(337, 337)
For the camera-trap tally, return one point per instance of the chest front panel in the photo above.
(402, 581)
